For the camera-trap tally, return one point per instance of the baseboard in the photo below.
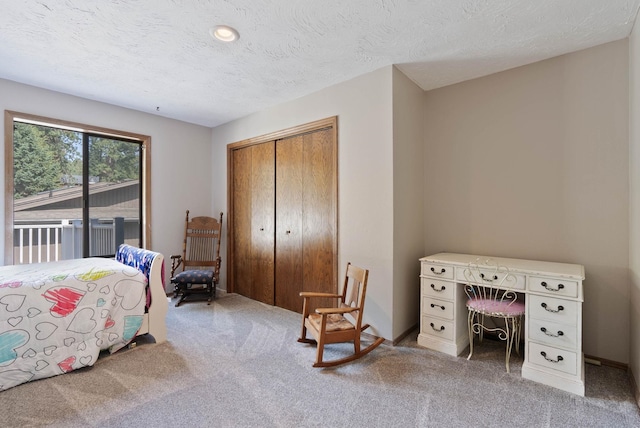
(634, 387)
(372, 337)
(405, 334)
(608, 363)
(391, 342)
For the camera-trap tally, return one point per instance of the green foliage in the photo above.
(47, 158)
(35, 166)
(67, 149)
(113, 161)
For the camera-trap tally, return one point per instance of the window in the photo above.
(72, 190)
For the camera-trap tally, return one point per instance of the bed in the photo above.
(57, 317)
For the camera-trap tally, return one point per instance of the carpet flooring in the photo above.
(236, 363)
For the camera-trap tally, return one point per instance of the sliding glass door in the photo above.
(114, 193)
(76, 194)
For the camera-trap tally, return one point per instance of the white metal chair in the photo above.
(489, 288)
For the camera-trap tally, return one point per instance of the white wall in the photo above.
(180, 155)
(365, 174)
(408, 201)
(634, 204)
(533, 163)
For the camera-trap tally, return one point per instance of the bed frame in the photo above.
(30, 350)
(154, 322)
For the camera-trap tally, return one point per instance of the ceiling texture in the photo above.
(157, 56)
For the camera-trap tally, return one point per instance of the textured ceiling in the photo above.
(145, 54)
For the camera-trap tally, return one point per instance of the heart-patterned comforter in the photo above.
(57, 317)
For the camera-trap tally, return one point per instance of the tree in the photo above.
(35, 166)
(113, 160)
(45, 158)
(67, 149)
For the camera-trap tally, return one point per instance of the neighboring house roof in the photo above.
(66, 203)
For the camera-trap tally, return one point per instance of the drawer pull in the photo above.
(435, 289)
(437, 306)
(560, 308)
(436, 329)
(495, 277)
(544, 354)
(438, 273)
(544, 330)
(545, 285)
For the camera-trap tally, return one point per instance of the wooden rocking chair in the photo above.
(341, 324)
(200, 259)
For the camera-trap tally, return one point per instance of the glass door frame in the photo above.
(145, 140)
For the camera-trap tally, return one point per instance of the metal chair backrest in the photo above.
(488, 281)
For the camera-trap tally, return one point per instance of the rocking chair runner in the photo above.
(341, 324)
(200, 259)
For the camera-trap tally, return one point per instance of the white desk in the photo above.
(553, 320)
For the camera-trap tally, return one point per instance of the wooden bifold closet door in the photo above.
(253, 214)
(283, 215)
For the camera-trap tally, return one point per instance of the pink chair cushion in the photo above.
(496, 307)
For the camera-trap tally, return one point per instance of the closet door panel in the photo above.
(242, 183)
(262, 222)
(289, 238)
(319, 213)
(283, 239)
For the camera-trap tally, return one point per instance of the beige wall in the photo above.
(408, 201)
(533, 163)
(365, 174)
(530, 163)
(176, 147)
(634, 202)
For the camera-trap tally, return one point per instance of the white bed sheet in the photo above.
(56, 317)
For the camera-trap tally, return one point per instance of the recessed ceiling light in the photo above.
(224, 33)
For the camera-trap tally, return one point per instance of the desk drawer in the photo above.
(508, 281)
(557, 310)
(437, 308)
(553, 358)
(438, 289)
(434, 270)
(553, 334)
(553, 287)
(437, 327)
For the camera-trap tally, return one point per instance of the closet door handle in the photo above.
(288, 232)
(262, 229)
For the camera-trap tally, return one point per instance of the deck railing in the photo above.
(39, 240)
(36, 242)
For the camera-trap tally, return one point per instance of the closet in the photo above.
(283, 215)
